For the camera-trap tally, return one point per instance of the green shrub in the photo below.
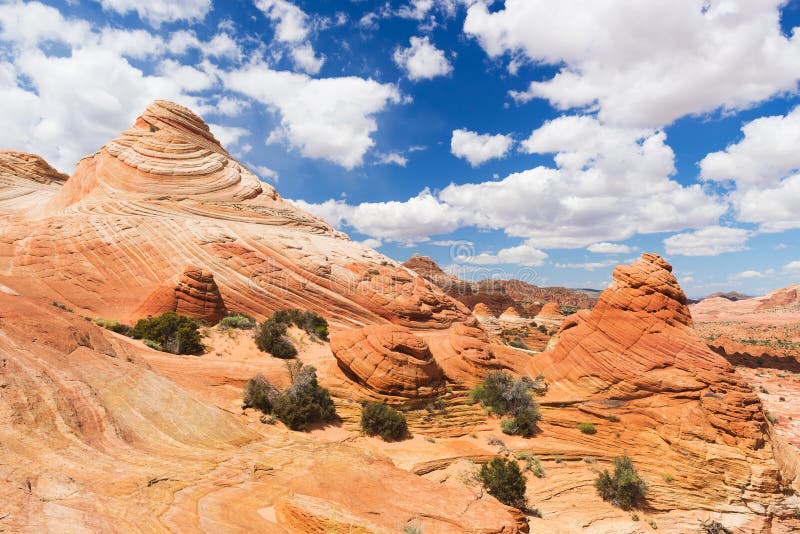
(113, 325)
(312, 323)
(305, 402)
(239, 321)
(613, 418)
(260, 394)
(152, 344)
(517, 343)
(271, 337)
(506, 395)
(625, 488)
(174, 333)
(587, 428)
(772, 418)
(384, 421)
(503, 480)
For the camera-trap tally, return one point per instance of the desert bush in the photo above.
(503, 479)
(305, 402)
(113, 325)
(624, 488)
(260, 394)
(239, 321)
(152, 344)
(270, 336)
(517, 343)
(312, 323)
(384, 421)
(173, 332)
(587, 428)
(506, 395)
(713, 527)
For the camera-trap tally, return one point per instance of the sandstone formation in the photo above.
(194, 294)
(497, 295)
(164, 195)
(550, 316)
(510, 316)
(389, 360)
(636, 354)
(26, 181)
(95, 440)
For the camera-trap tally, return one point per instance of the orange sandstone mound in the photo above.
(194, 294)
(550, 316)
(635, 355)
(389, 360)
(164, 195)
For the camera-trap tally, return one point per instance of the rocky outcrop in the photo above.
(26, 181)
(550, 316)
(194, 294)
(635, 353)
(511, 317)
(164, 195)
(389, 360)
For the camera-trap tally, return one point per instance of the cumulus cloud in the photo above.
(227, 135)
(265, 172)
(711, 241)
(609, 184)
(292, 27)
(392, 158)
(523, 254)
(156, 12)
(763, 165)
(610, 248)
(326, 118)
(479, 148)
(689, 57)
(745, 275)
(792, 267)
(422, 60)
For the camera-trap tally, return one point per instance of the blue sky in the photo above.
(532, 138)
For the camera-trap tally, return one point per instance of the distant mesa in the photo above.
(729, 295)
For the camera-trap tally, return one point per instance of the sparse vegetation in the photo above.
(260, 394)
(174, 333)
(271, 337)
(303, 403)
(714, 527)
(503, 480)
(634, 516)
(152, 344)
(652, 523)
(62, 307)
(772, 418)
(113, 325)
(238, 321)
(311, 322)
(668, 477)
(384, 421)
(587, 428)
(613, 418)
(506, 395)
(624, 488)
(517, 343)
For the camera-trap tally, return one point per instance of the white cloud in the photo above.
(372, 243)
(610, 184)
(422, 60)
(394, 158)
(32, 23)
(792, 267)
(762, 166)
(588, 266)
(292, 27)
(523, 254)
(711, 241)
(265, 172)
(227, 135)
(156, 12)
(222, 45)
(412, 220)
(326, 118)
(767, 153)
(479, 148)
(744, 275)
(610, 248)
(689, 57)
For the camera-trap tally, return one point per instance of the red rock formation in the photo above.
(26, 181)
(164, 195)
(636, 352)
(389, 360)
(550, 316)
(194, 294)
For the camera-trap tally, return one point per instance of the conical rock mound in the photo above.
(194, 294)
(26, 181)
